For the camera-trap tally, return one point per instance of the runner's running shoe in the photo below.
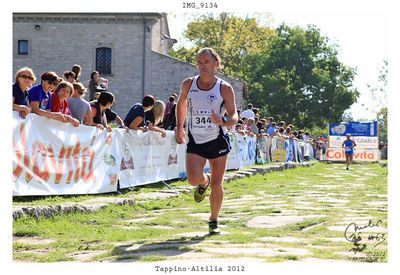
(201, 191)
(213, 227)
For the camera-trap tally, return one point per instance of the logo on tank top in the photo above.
(45, 101)
(211, 98)
(193, 91)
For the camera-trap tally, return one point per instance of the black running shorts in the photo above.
(210, 150)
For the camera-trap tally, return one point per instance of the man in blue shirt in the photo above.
(270, 120)
(271, 129)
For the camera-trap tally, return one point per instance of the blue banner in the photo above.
(366, 129)
(289, 144)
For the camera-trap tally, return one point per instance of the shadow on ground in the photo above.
(164, 250)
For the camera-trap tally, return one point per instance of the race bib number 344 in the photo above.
(201, 119)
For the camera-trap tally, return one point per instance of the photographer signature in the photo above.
(353, 235)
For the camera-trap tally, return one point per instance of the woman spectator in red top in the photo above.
(59, 103)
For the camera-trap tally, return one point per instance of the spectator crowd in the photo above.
(62, 99)
(252, 124)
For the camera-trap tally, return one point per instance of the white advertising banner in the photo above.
(361, 154)
(54, 158)
(148, 157)
(246, 149)
(232, 162)
(51, 157)
(361, 142)
(233, 159)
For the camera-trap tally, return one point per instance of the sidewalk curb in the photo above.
(92, 205)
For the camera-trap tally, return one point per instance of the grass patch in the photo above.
(101, 230)
(152, 258)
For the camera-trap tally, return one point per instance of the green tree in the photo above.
(231, 37)
(299, 79)
(382, 117)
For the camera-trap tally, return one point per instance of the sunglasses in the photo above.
(26, 77)
(54, 83)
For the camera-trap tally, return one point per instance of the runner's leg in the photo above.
(217, 168)
(194, 169)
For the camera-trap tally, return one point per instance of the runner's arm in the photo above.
(181, 105)
(181, 109)
(228, 95)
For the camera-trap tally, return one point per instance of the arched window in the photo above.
(103, 60)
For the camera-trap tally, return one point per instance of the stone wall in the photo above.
(66, 39)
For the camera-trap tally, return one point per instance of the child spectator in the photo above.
(136, 117)
(105, 100)
(59, 97)
(79, 107)
(40, 97)
(69, 76)
(59, 101)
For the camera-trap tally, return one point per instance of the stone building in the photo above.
(129, 49)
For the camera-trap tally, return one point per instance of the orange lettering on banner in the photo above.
(57, 164)
(82, 165)
(356, 155)
(17, 170)
(38, 147)
(337, 155)
(69, 164)
(371, 156)
(87, 176)
(23, 152)
(75, 155)
(329, 154)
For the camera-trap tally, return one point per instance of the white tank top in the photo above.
(200, 104)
